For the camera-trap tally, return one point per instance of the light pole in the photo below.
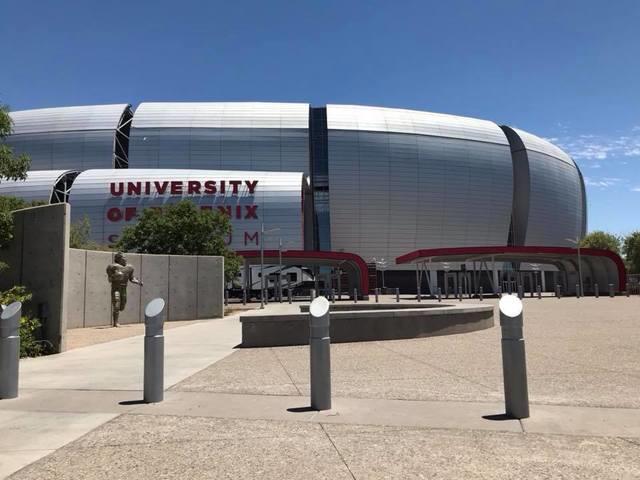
(576, 241)
(262, 234)
(382, 266)
(280, 269)
(262, 265)
(446, 267)
(537, 273)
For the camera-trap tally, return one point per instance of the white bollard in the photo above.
(514, 367)
(154, 351)
(320, 354)
(10, 350)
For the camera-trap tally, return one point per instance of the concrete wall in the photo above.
(70, 287)
(367, 326)
(192, 286)
(38, 258)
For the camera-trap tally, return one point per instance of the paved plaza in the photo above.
(421, 408)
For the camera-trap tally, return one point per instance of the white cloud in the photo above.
(595, 148)
(635, 189)
(605, 182)
(632, 152)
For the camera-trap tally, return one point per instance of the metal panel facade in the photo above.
(68, 137)
(386, 181)
(112, 199)
(37, 187)
(556, 206)
(393, 191)
(232, 136)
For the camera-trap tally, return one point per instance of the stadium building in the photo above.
(376, 182)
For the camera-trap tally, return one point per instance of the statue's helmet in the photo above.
(119, 258)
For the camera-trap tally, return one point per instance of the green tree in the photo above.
(631, 250)
(7, 206)
(182, 229)
(30, 345)
(12, 167)
(80, 236)
(79, 233)
(602, 240)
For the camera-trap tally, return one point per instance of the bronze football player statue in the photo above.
(120, 274)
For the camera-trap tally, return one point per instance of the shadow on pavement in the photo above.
(132, 402)
(497, 417)
(301, 409)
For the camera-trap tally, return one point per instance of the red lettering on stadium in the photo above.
(238, 212)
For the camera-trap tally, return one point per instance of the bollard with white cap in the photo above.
(377, 292)
(154, 351)
(333, 296)
(514, 368)
(439, 294)
(459, 294)
(289, 294)
(397, 295)
(244, 296)
(596, 290)
(520, 292)
(577, 290)
(226, 297)
(320, 354)
(481, 293)
(628, 288)
(10, 350)
(355, 295)
(558, 293)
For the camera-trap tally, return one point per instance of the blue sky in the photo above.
(565, 70)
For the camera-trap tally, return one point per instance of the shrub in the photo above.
(30, 346)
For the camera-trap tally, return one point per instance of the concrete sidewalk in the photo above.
(118, 365)
(488, 416)
(106, 374)
(421, 408)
